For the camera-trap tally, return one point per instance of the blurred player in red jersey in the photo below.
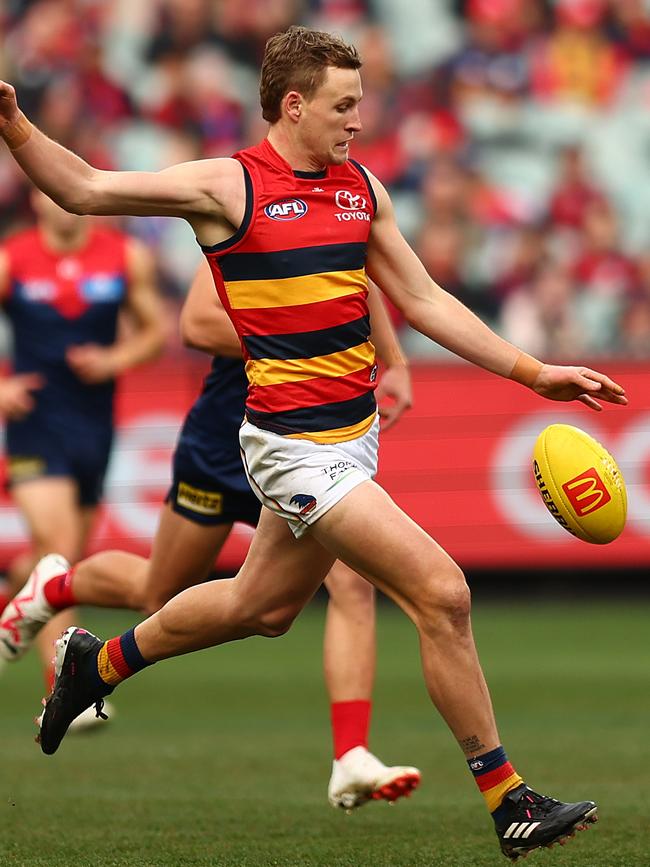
(64, 284)
(292, 228)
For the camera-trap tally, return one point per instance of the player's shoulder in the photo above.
(366, 173)
(21, 239)
(218, 167)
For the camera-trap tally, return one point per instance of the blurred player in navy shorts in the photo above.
(64, 286)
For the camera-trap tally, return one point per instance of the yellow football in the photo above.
(580, 483)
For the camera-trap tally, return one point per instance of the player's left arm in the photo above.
(394, 392)
(204, 324)
(145, 332)
(394, 266)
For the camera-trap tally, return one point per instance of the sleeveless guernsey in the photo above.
(293, 281)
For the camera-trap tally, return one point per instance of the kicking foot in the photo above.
(87, 719)
(527, 821)
(29, 610)
(75, 687)
(359, 777)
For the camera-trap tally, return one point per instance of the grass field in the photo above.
(223, 757)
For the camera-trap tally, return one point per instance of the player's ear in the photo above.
(293, 105)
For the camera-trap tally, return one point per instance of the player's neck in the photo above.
(290, 150)
(64, 242)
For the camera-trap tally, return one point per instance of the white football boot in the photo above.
(359, 777)
(29, 610)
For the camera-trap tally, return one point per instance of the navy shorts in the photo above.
(209, 494)
(34, 453)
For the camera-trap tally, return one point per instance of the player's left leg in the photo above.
(278, 578)
(349, 665)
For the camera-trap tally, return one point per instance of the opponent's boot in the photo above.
(29, 610)
(359, 777)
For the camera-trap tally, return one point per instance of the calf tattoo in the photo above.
(471, 745)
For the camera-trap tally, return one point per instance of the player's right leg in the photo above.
(411, 568)
(349, 666)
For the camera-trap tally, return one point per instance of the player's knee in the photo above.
(273, 624)
(446, 602)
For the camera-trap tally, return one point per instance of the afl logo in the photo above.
(286, 209)
(347, 201)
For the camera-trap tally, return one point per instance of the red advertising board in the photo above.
(459, 463)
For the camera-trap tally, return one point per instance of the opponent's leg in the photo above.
(56, 523)
(349, 665)
(407, 565)
(183, 554)
(349, 640)
(278, 578)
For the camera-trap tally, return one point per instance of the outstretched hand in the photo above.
(557, 382)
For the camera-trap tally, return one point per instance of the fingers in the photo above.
(388, 417)
(602, 381)
(590, 402)
(390, 413)
(32, 381)
(607, 389)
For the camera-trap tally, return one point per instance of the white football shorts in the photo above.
(300, 480)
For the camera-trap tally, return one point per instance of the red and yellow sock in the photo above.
(494, 775)
(119, 658)
(350, 725)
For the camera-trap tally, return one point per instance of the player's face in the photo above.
(331, 117)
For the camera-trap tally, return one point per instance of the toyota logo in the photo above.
(347, 201)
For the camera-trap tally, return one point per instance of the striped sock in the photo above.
(494, 776)
(350, 724)
(119, 658)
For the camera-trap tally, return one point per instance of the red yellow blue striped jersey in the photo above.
(293, 281)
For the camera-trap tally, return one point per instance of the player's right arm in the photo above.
(204, 324)
(16, 399)
(208, 193)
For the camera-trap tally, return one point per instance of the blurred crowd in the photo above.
(514, 135)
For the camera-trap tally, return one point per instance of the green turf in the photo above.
(222, 758)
